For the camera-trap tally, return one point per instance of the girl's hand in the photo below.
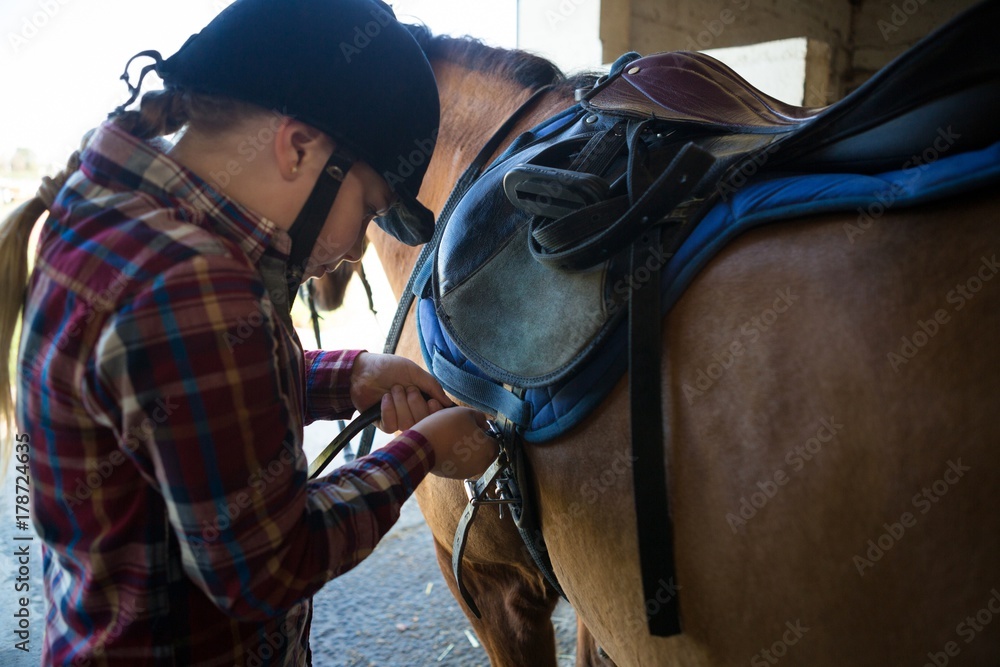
(404, 407)
(462, 449)
(374, 377)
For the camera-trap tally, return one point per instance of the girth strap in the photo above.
(510, 474)
(480, 489)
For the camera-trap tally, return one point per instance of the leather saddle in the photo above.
(565, 235)
(532, 271)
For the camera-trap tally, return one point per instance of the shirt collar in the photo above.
(115, 155)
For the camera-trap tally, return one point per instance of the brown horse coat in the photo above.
(831, 394)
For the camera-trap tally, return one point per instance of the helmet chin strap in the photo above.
(305, 230)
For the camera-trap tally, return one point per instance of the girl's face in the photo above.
(362, 195)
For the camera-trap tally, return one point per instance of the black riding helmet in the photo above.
(346, 67)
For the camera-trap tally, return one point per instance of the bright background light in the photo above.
(60, 60)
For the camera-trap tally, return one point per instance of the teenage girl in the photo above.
(161, 389)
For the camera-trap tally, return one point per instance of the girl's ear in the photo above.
(299, 146)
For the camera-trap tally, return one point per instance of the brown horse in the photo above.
(832, 485)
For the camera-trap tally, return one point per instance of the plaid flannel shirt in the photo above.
(165, 393)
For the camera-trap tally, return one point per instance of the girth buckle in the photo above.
(497, 478)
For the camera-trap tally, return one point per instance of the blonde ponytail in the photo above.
(15, 232)
(160, 112)
(163, 112)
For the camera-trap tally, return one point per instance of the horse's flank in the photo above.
(832, 461)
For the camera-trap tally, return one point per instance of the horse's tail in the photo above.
(15, 232)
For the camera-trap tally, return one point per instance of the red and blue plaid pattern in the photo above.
(165, 399)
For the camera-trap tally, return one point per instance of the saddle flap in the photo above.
(518, 320)
(692, 87)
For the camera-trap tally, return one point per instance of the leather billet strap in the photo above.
(526, 519)
(369, 416)
(652, 506)
(511, 472)
(480, 488)
(307, 226)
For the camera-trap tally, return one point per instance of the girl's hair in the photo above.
(160, 113)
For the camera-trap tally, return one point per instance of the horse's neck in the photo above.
(473, 105)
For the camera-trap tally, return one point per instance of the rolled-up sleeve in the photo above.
(328, 384)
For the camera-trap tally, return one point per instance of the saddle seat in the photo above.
(526, 298)
(691, 87)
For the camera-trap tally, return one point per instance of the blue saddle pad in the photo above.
(547, 412)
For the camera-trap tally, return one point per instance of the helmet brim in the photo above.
(409, 221)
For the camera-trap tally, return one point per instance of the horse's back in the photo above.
(831, 389)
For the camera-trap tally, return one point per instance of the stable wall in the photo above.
(854, 38)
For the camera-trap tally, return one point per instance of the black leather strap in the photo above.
(584, 249)
(369, 416)
(458, 554)
(526, 519)
(512, 467)
(652, 507)
(310, 220)
(465, 523)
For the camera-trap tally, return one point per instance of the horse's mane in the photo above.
(529, 70)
